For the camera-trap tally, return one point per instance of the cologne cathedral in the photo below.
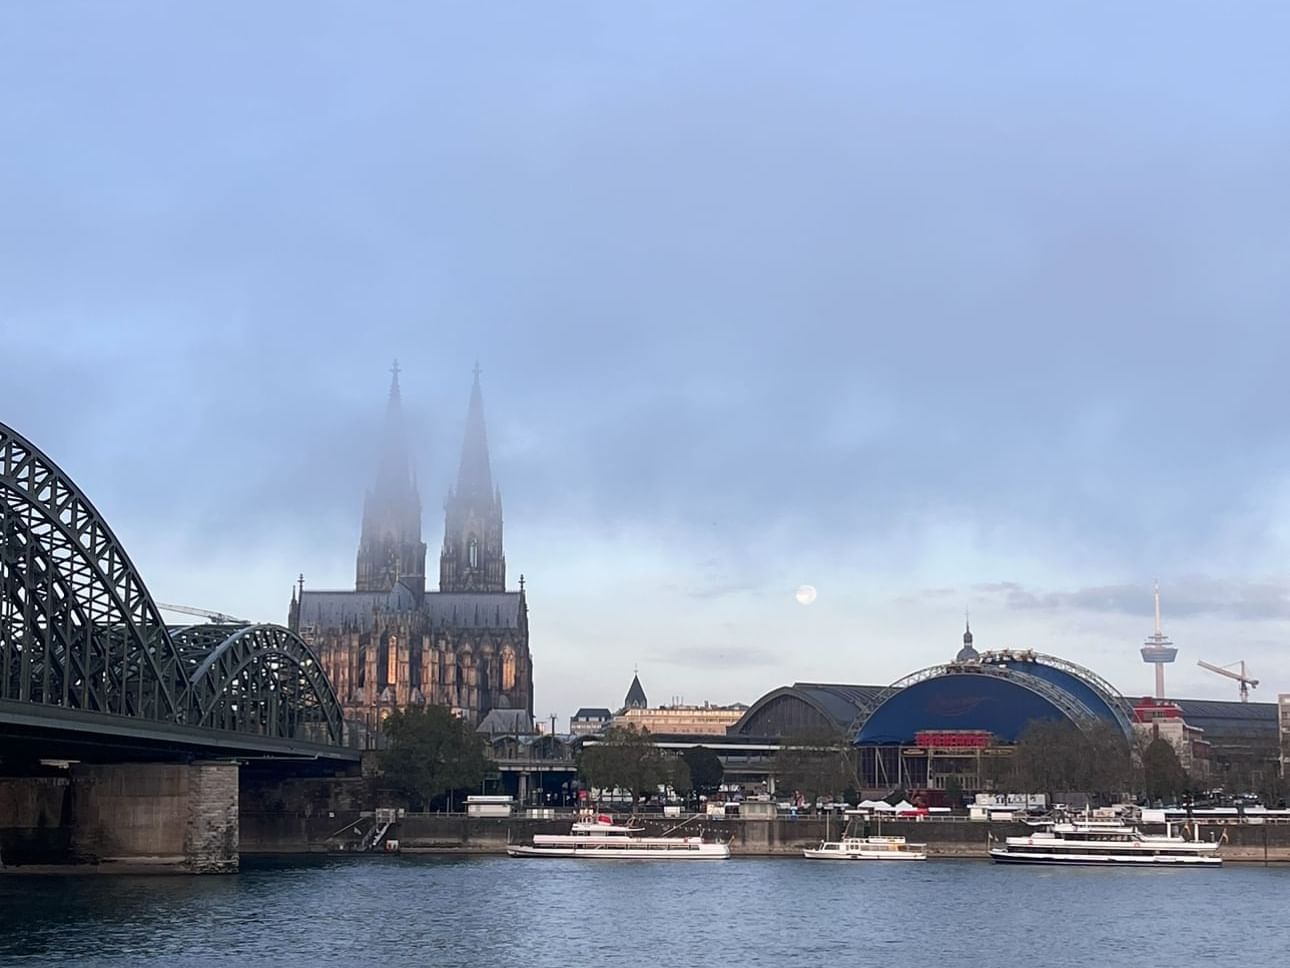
(392, 643)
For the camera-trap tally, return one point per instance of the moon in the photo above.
(805, 594)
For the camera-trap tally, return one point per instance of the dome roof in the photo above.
(1000, 692)
(806, 707)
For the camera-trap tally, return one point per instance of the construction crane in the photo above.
(218, 618)
(1246, 682)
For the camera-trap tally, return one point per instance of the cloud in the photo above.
(1244, 601)
(867, 299)
(715, 657)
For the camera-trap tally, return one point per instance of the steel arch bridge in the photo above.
(83, 646)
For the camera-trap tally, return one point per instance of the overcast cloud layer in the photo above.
(933, 306)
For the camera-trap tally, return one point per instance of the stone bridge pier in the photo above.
(182, 816)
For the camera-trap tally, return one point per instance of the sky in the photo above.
(935, 307)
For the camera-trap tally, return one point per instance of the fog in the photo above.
(932, 307)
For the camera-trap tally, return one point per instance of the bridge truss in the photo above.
(80, 632)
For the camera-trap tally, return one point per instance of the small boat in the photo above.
(867, 848)
(603, 839)
(1106, 843)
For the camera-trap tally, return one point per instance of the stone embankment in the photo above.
(455, 833)
(173, 817)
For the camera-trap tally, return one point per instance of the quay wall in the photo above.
(35, 822)
(141, 816)
(456, 833)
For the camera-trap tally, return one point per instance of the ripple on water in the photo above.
(472, 911)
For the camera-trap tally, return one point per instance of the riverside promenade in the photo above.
(457, 833)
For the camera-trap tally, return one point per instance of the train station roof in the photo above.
(805, 707)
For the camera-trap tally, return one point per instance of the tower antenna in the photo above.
(1158, 650)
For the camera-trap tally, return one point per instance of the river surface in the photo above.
(494, 911)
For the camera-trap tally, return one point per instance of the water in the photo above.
(743, 912)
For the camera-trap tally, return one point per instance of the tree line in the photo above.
(433, 757)
(625, 758)
(1056, 757)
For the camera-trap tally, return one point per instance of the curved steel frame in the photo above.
(79, 630)
(766, 700)
(1113, 698)
(1068, 705)
(259, 679)
(77, 625)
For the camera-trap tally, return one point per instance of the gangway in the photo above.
(386, 817)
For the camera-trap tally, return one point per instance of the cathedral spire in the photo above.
(472, 558)
(475, 475)
(391, 548)
(395, 469)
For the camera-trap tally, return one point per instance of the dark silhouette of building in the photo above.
(635, 695)
(391, 643)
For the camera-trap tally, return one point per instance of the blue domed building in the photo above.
(955, 724)
(953, 719)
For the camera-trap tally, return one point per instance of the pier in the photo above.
(457, 833)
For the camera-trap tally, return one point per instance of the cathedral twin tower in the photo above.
(390, 643)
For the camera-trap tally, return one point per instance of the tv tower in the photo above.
(1158, 650)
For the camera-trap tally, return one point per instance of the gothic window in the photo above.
(508, 669)
(472, 555)
(466, 681)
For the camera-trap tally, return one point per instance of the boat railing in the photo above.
(688, 820)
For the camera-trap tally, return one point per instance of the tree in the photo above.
(1056, 756)
(1163, 777)
(679, 777)
(624, 759)
(706, 770)
(1105, 764)
(815, 765)
(1252, 769)
(432, 753)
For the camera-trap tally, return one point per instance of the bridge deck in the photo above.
(55, 733)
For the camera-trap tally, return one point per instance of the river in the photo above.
(475, 911)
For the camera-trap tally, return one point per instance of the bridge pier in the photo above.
(165, 815)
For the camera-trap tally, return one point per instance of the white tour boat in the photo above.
(1106, 842)
(867, 848)
(603, 839)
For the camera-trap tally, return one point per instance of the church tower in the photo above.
(390, 549)
(635, 694)
(472, 559)
(967, 653)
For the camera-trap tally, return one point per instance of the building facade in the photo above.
(676, 719)
(682, 720)
(392, 643)
(1162, 719)
(1283, 726)
(589, 720)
